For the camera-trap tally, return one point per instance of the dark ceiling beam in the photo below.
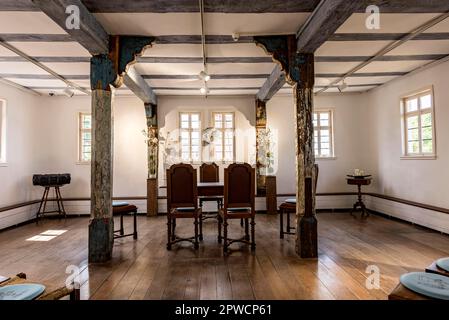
(134, 81)
(218, 60)
(420, 57)
(94, 38)
(361, 75)
(91, 34)
(210, 60)
(227, 39)
(275, 81)
(233, 6)
(327, 17)
(195, 77)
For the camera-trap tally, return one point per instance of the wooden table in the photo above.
(359, 182)
(210, 189)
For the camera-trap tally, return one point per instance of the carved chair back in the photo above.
(209, 172)
(181, 187)
(239, 186)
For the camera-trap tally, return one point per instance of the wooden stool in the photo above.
(124, 209)
(289, 206)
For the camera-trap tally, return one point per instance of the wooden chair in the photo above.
(289, 207)
(239, 195)
(209, 172)
(182, 202)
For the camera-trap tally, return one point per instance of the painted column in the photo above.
(261, 147)
(153, 159)
(101, 224)
(306, 240)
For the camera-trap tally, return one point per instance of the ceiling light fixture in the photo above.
(343, 86)
(69, 92)
(204, 76)
(204, 90)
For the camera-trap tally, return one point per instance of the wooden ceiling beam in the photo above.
(94, 38)
(235, 6)
(326, 18)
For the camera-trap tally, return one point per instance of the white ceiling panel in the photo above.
(396, 66)
(40, 83)
(241, 68)
(28, 22)
(155, 24)
(78, 68)
(52, 49)
(334, 67)
(351, 48)
(423, 47)
(169, 68)
(389, 23)
(20, 68)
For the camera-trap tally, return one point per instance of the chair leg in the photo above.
(281, 224)
(253, 231)
(135, 225)
(219, 228)
(247, 230)
(225, 244)
(173, 233)
(241, 223)
(122, 231)
(169, 232)
(196, 244)
(201, 227)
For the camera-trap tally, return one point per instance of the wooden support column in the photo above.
(261, 152)
(153, 152)
(299, 72)
(107, 71)
(307, 240)
(101, 224)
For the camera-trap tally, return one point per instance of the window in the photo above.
(223, 146)
(418, 125)
(2, 131)
(85, 137)
(323, 134)
(190, 136)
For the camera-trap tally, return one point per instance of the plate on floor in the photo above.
(443, 264)
(25, 291)
(428, 284)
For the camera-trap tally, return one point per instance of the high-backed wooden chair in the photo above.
(182, 202)
(239, 195)
(209, 173)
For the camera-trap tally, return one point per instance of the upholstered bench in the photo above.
(288, 206)
(122, 209)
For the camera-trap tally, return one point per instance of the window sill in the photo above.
(83, 163)
(325, 158)
(418, 157)
(3, 164)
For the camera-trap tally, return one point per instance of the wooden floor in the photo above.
(144, 269)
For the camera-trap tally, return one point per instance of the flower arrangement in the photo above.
(152, 141)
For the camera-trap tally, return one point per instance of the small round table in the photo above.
(359, 182)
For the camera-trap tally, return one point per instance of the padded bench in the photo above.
(122, 209)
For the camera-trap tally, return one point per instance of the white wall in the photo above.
(23, 142)
(423, 181)
(350, 134)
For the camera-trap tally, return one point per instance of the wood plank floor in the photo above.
(144, 269)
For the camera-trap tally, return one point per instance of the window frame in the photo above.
(212, 148)
(81, 130)
(331, 128)
(3, 132)
(419, 112)
(200, 129)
